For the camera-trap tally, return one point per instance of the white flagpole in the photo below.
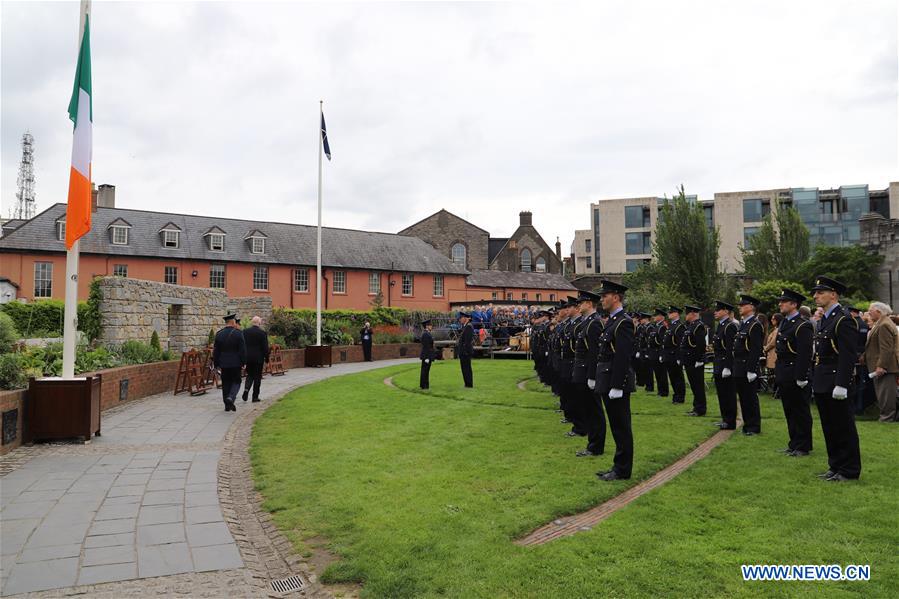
(70, 314)
(318, 282)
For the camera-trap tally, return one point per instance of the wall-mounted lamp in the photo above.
(194, 273)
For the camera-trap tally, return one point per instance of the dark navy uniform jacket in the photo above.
(465, 346)
(692, 347)
(795, 337)
(836, 351)
(616, 346)
(587, 333)
(230, 349)
(748, 345)
(723, 345)
(671, 340)
(427, 346)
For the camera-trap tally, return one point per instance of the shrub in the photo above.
(8, 333)
(210, 340)
(135, 352)
(14, 371)
(43, 318)
(154, 342)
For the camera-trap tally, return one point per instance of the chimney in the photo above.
(106, 196)
(93, 198)
(558, 249)
(525, 219)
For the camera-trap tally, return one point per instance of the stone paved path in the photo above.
(139, 511)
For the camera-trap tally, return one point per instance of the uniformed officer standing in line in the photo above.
(723, 346)
(555, 350)
(570, 394)
(643, 352)
(836, 349)
(795, 339)
(656, 354)
(581, 372)
(465, 348)
(692, 356)
(671, 341)
(614, 378)
(229, 354)
(748, 344)
(427, 354)
(585, 358)
(639, 335)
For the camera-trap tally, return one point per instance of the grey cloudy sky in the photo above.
(485, 109)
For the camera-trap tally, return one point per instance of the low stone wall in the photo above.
(129, 383)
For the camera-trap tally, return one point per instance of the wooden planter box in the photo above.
(318, 355)
(62, 408)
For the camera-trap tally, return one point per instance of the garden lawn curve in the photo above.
(423, 493)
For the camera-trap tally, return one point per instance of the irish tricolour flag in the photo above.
(78, 212)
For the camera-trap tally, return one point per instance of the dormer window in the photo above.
(258, 245)
(170, 239)
(118, 231)
(61, 229)
(217, 243)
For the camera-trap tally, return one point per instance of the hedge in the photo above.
(44, 317)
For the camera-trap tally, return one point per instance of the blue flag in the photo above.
(325, 138)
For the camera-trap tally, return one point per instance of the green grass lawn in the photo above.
(422, 493)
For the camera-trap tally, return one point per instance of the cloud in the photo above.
(484, 109)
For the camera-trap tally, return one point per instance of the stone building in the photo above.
(881, 235)
(467, 244)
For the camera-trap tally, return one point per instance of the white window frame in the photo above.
(552, 297)
(530, 264)
(116, 229)
(438, 285)
(494, 295)
(301, 280)
(374, 283)
(60, 230)
(408, 281)
(538, 297)
(216, 239)
(257, 249)
(168, 236)
(215, 272)
(453, 254)
(509, 296)
(43, 274)
(115, 269)
(260, 275)
(524, 295)
(338, 286)
(540, 264)
(165, 274)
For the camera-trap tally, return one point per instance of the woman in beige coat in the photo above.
(882, 359)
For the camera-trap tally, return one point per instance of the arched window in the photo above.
(541, 264)
(458, 254)
(525, 260)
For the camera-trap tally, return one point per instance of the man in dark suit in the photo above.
(427, 354)
(615, 379)
(257, 355)
(723, 365)
(465, 348)
(671, 342)
(365, 336)
(692, 356)
(229, 354)
(656, 353)
(748, 343)
(836, 352)
(795, 338)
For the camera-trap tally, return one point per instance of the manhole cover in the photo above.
(287, 585)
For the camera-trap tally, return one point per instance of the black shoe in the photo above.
(694, 413)
(256, 400)
(785, 450)
(677, 401)
(586, 453)
(798, 453)
(719, 424)
(564, 421)
(612, 475)
(749, 433)
(662, 394)
(838, 478)
(826, 475)
(244, 397)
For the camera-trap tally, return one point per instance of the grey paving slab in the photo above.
(216, 557)
(127, 490)
(110, 527)
(212, 533)
(201, 498)
(42, 554)
(162, 560)
(202, 514)
(113, 554)
(41, 576)
(160, 514)
(124, 538)
(117, 511)
(159, 534)
(166, 484)
(163, 497)
(107, 573)
(22, 511)
(49, 535)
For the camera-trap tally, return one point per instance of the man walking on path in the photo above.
(257, 355)
(229, 354)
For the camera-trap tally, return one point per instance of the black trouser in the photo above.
(749, 404)
(366, 351)
(661, 375)
(619, 414)
(254, 378)
(727, 400)
(230, 384)
(798, 415)
(596, 422)
(424, 381)
(639, 371)
(676, 374)
(465, 364)
(648, 371)
(838, 423)
(696, 377)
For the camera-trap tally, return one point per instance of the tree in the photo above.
(779, 248)
(645, 299)
(768, 292)
(852, 265)
(686, 250)
(377, 301)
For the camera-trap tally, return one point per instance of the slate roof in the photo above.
(524, 280)
(285, 243)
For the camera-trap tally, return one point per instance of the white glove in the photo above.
(678, 362)
(725, 373)
(546, 353)
(698, 364)
(801, 384)
(840, 392)
(427, 361)
(751, 376)
(591, 384)
(638, 355)
(661, 359)
(616, 393)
